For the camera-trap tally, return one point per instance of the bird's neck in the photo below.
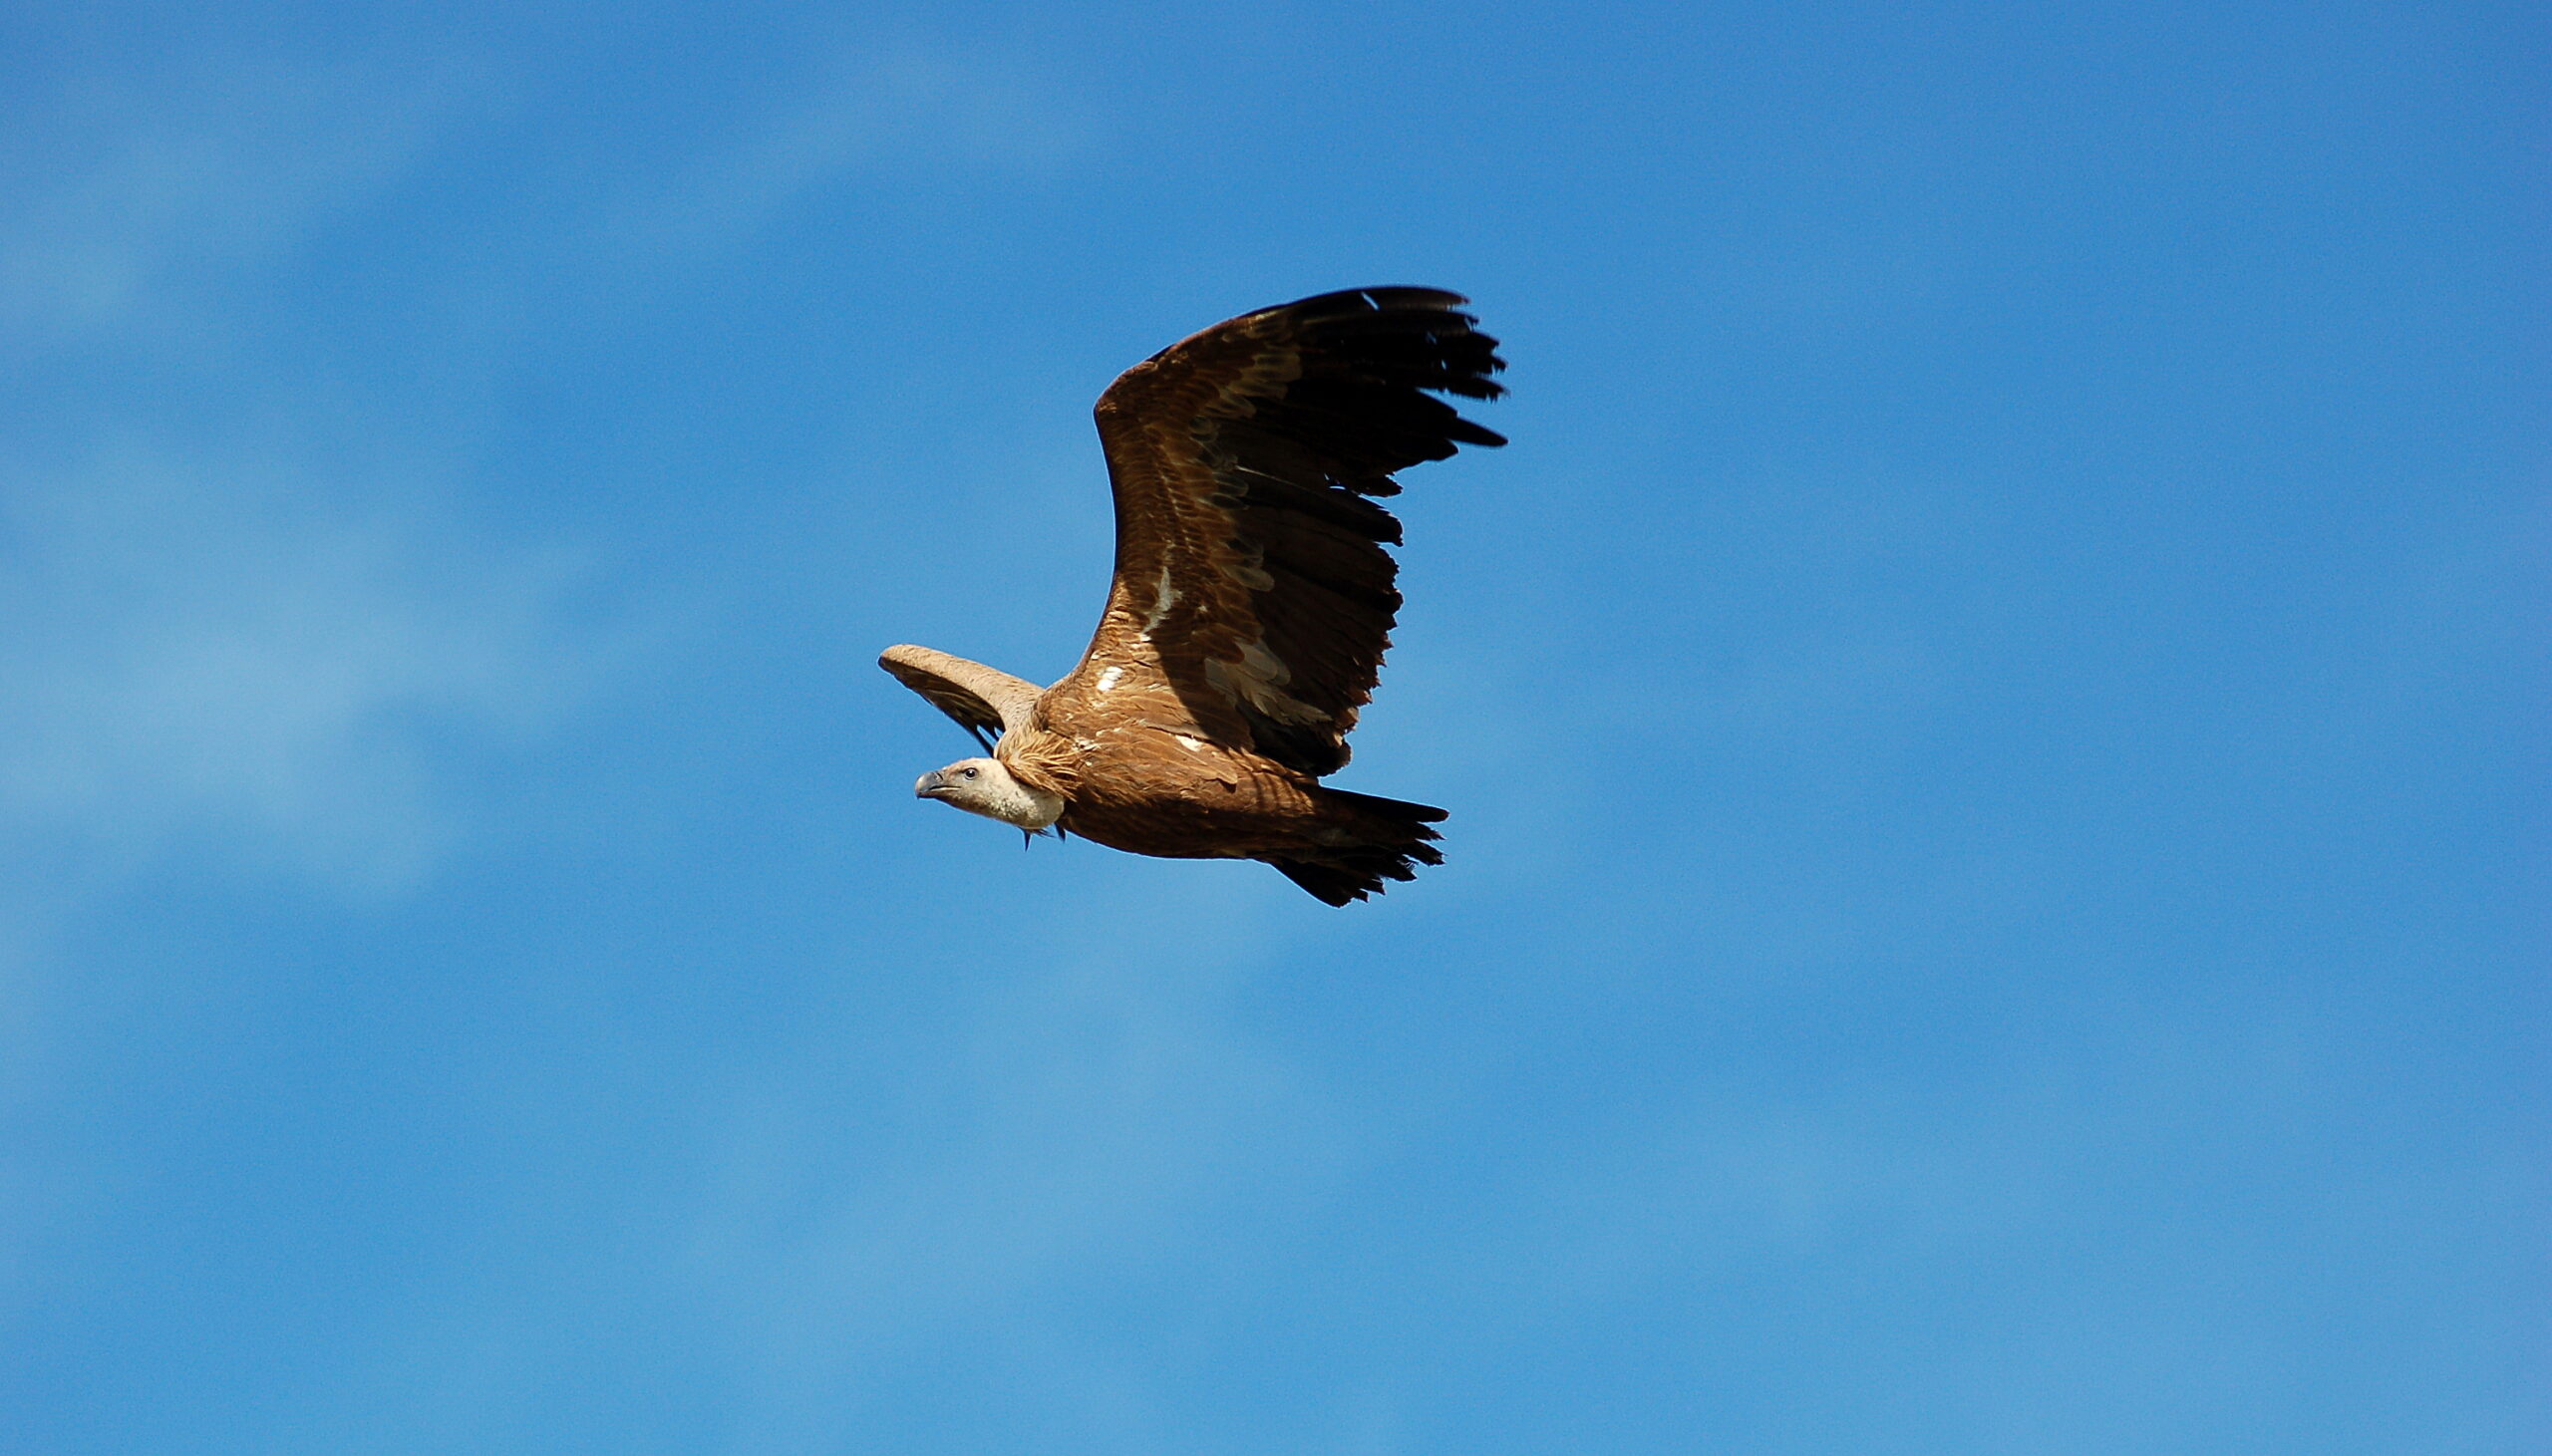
(1022, 805)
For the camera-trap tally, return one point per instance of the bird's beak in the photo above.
(930, 785)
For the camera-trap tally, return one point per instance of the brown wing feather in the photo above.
(1251, 579)
(978, 697)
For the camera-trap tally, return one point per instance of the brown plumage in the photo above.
(1252, 601)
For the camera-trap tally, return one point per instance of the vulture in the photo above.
(1252, 601)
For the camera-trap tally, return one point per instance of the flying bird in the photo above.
(1252, 603)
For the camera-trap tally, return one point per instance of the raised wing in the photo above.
(978, 697)
(1251, 579)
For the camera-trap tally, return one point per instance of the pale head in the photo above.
(983, 787)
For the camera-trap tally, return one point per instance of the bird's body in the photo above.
(1251, 604)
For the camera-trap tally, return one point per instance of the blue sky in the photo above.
(1993, 713)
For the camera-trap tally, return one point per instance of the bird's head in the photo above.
(984, 786)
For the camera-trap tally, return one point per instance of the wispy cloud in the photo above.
(238, 614)
(1092, 1116)
(900, 110)
(209, 650)
(149, 184)
(219, 669)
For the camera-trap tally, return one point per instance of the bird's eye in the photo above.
(971, 773)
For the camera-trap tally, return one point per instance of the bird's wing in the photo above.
(978, 697)
(1251, 579)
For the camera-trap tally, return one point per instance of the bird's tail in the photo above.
(1371, 840)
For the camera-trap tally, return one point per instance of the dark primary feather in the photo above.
(1257, 447)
